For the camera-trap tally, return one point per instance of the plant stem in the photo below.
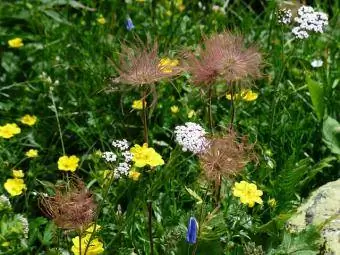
(149, 204)
(210, 110)
(232, 107)
(80, 243)
(145, 124)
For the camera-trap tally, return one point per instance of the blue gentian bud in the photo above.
(129, 25)
(192, 230)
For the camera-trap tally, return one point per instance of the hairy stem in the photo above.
(145, 123)
(232, 107)
(210, 110)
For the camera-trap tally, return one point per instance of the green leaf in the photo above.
(317, 96)
(331, 134)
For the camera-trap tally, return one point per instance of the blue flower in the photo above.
(192, 230)
(129, 25)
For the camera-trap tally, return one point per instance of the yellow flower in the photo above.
(95, 246)
(166, 64)
(29, 120)
(272, 202)
(191, 114)
(174, 109)
(101, 20)
(15, 186)
(138, 104)
(248, 193)
(9, 130)
(66, 163)
(142, 156)
(249, 95)
(180, 5)
(32, 153)
(134, 175)
(246, 95)
(15, 43)
(18, 174)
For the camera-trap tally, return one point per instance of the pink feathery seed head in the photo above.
(223, 56)
(140, 65)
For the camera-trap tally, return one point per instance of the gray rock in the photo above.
(321, 208)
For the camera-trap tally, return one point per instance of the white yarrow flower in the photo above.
(316, 63)
(191, 137)
(4, 202)
(109, 156)
(285, 16)
(122, 145)
(24, 223)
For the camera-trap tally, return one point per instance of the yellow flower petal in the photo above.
(15, 43)
(9, 130)
(66, 163)
(15, 186)
(29, 120)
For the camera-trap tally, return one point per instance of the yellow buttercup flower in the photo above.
(166, 64)
(191, 114)
(18, 174)
(174, 109)
(248, 193)
(66, 163)
(143, 155)
(9, 130)
(29, 120)
(32, 153)
(95, 247)
(15, 43)
(101, 20)
(15, 186)
(134, 175)
(138, 104)
(249, 95)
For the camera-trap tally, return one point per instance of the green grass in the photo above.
(64, 40)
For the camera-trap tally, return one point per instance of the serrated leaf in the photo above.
(331, 134)
(317, 95)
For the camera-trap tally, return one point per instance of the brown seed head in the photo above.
(140, 65)
(225, 157)
(223, 56)
(72, 207)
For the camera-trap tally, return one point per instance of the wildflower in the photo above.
(140, 66)
(223, 56)
(246, 95)
(91, 229)
(9, 130)
(191, 114)
(121, 144)
(4, 203)
(174, 109)
(143, 155)
(285, 16)
(109, 156)
(309, 20)
(72, 207)
(129, 25)
(248, 193)
(15, 43)
(66, 163)
(18, 174)
(138, 104)
(15, 186)
(128, 156)
(134, 175)
(29, 120)
(122, 169)
(226, 157)
(24, 223)
(32, 153)
(272, 202)
(94, 247)
(179, 4)
(316, 63)
(192, 230)
(191, 137)
(167, 64)
(101, 20)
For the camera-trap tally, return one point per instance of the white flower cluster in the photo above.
(24, 223)
(309, 20)
(4, 202)
(285, 16)
(191, 137)
(316, 63)
(123, 154)
(109, 156)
